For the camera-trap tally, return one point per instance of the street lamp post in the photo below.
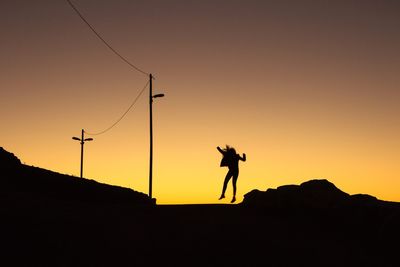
(151, 96)
(82, 140)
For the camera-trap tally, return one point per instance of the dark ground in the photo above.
(44, 233)
(48, 219)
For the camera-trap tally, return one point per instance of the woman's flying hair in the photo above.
(229, 149)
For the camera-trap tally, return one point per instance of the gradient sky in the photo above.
(307, 89)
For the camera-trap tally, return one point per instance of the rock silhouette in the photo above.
(311, 194)
(49, 219)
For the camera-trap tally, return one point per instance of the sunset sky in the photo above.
(307, 89)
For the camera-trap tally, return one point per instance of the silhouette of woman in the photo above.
(231, 160)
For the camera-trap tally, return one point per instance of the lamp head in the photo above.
(158, 95)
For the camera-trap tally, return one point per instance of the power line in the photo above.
(123, 115)
(104, 41)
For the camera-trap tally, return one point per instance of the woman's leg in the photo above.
(235, 176)
(227, 178)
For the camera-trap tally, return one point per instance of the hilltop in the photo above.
(50, 219)
(36, 183)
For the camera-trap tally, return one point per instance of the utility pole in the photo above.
(151, 136)
(82, 140)
(151, 96)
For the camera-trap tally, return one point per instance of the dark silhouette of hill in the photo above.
(34, 182)
(49, 219)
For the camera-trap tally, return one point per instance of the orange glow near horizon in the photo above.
(307, 91)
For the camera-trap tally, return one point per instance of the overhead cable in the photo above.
(104, 41)
(123, 115)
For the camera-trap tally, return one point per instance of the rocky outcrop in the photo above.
(8, 160)
(312, 194)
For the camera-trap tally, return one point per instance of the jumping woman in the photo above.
(231, 160)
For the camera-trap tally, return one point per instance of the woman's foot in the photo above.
(221, 197)
(233, 199)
